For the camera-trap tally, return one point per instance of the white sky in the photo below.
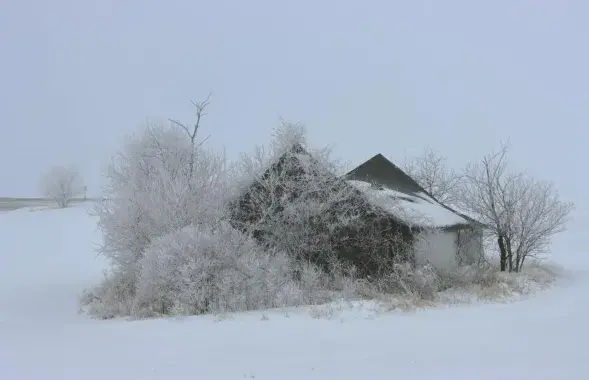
(368, 77)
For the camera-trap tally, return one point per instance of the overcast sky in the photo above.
(365, 76)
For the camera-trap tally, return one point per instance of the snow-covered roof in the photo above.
(384, 185)
(417, 209)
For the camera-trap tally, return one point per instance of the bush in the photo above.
(201, 269)
(112, 298)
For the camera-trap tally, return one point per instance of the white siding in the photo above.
(470, 246)
(437, 248)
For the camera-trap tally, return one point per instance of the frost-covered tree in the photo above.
(430, 170)
(161, 181)
(62, 184)
(521, 213)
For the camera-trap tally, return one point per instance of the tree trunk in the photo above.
(509, 254)
(502, 253)
(518, 261)
(521, 261)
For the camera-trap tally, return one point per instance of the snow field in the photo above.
(47, 259)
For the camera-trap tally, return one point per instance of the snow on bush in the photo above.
(160, 182)
(212, 269)
(112, 298)
(203, 269)
(157, 184)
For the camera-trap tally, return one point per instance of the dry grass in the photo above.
(471, 284)
(428, 288)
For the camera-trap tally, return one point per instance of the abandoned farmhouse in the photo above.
(373, 214)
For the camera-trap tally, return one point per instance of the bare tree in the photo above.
(522, 214)
(193, 131)
(62, 184)
(432, 173)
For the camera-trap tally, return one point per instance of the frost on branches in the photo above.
(153, 190)
(163, 180)
(521, 213)
(431, 171)
(210, 269)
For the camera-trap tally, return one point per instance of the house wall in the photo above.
(470, 245)
(438, 248)
(447, 249)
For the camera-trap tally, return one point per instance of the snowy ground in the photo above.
(47, 259)
(8, 204)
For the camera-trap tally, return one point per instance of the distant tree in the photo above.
(432, 173)
(521, 213)
(62, 184)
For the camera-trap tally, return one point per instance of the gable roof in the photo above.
(380, 170)
(390, 188)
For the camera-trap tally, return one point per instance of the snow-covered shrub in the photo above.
(214, 269)
(159, 183)
(112, 298)
(204, 269)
